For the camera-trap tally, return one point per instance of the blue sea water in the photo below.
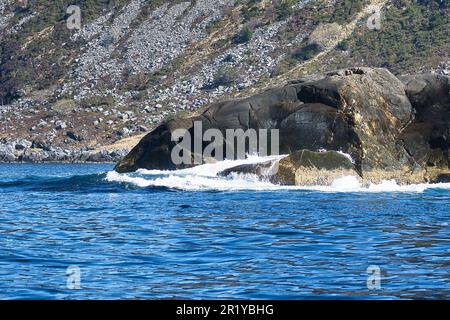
(190, 234)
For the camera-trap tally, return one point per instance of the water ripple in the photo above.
(157, 242)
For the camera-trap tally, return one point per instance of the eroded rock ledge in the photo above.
(393, 128)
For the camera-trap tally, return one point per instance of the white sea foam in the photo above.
(211, 169)
(195, 182)
(352, 184)
(205, 177)
(348, 156)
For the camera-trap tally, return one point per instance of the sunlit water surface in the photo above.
(190, 234)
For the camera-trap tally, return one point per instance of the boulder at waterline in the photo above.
(303, 167)
(367, 113)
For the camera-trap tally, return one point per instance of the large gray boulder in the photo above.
(367, 113)
(7, 153)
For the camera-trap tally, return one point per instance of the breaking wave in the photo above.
(206, 177)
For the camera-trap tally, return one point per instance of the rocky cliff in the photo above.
(391, 128)
(133, 64)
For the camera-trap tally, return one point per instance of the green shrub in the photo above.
(284, 9)
(306, 53)
(343, 45)
(243, 36)
(346, 9)
(249, 13)
(225, 76)
(96, 101)
(213, 26)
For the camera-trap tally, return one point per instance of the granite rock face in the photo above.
(427, 139)
(391, 128)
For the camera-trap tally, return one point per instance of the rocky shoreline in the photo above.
(393, 128)
(24, 151)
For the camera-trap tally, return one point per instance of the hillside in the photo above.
(135, 63)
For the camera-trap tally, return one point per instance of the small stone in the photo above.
(142, 128)
(22, 144)
(60, 125)
(72, 135)
(38, 144)
(125, 132)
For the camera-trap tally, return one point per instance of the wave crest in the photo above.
(205, 177)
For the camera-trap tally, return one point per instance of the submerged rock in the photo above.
(392, 128)
(262, 169)
(303, 167)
